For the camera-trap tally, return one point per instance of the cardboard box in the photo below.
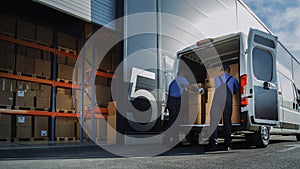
(42, 68)
(46, 55)
(214, 71)
(7, 55)
(25, 30)
(44, 35)
(8, 85)
(195, 98)
(25, 65)
(6, 98)
(66, 41)
(26, 86)
(101, 81)
(234, 69)
(111, 130)
(25, 99)
(64, 102)
(5, 120)
(64, 129)
(45, 91)
(236, 113)
(40, 132)
(61, 59)
(34, 53)
(64, 91)
(71, 61)
(210, 94)
(85, 135)
(23, 120)
(236, 101)
(100, 128)
(8, 24)
(5, 132)
(40, 121)
(34, 86)
(112, 108)
(7, 60)
(24, 132)
(65, 72)
(42, 102)
(103, 95)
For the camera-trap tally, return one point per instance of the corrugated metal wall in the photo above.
(97, 11)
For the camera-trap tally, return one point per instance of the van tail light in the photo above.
(243, 83)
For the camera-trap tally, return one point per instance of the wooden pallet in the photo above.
(65, 111)
(8, 71)
(67, 50)
(23, 139)
(7, 34)
(64, 80)
(30, 108)
(5, 106)
(43, 77)
(41, 139)
(40, 109)
(65, 138)
(5, 139)
(26, 74)
(27, 39)
(42, 43)
(23, 108)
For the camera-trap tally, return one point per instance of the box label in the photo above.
(44, 133)
(21, 119)
(21, 93)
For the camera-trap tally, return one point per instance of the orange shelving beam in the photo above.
(25, 78)
(28, 44)
(44, 113)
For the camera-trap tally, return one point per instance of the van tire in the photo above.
(262, 137)
(298, 137)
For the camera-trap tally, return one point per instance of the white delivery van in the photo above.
(268, 102)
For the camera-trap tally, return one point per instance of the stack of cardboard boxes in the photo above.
(32, 95)
(200, 105)
(213, 73)
(66, 64)
(65, 127)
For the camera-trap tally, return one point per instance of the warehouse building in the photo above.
(39, 44)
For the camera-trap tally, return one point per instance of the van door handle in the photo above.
(267, 85)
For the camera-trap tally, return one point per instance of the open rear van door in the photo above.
(262, 78)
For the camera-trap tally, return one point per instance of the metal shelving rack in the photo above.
(92, 112)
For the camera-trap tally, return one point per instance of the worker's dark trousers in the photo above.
(217, 109)
(173, 105)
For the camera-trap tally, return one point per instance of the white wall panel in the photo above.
(98, 11)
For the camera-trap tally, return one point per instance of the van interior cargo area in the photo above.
(204, 62)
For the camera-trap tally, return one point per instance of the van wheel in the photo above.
(298, 137)
(192, 138)
(262, 137)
